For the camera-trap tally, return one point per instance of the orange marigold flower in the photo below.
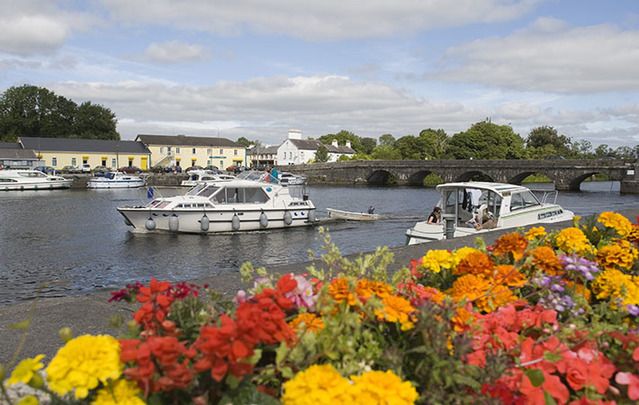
(340, 290)
(508, 275)
(307, 322)
(396, 309)
(464, 317)
(469, 287)
(617, 255)
(496, 297)
(573, 240)
(536, 232)
(580, 289)
(513, 243)
(367, 288)
(545, 259)
(477, 263)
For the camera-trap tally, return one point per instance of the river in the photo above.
(57, 243)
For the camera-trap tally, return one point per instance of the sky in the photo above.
(256, 68)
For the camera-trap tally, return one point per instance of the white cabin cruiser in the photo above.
(18, 179)
(225, 206)
(116, 180)
(287, 178)
(202, 176)
(475, 207)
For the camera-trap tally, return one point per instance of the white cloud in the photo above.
(36, 26)
(174, 52)
(318, 20)
(549, 56)
(264, 108)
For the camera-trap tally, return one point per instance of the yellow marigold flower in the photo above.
(121, 392)
(513, 243)
(379, 387)
(461, 253)
(617, 287)
(463, 319)
(508, 275)
(477, 263)
(573, 240)
(340, 290)
(307, 322)
(25, 370)
(396, 309)
(84, 362)
(317, 385)
(496, 297)
(618, 222)
(367, 288)
(545, 259)
(437, 260)
(620, 254)
(28, 400)
(536, 232)
(469, 287)
(633, 236)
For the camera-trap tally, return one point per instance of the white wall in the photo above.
(288, 154)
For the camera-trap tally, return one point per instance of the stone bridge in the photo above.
(566, 174)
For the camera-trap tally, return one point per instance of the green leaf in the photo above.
(280, 353)
(247, 394)
(549, 399)
(287, 372)
(536, 376)
(552, 357)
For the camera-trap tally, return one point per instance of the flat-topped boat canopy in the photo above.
(503, 189)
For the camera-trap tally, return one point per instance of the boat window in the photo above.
(110, 176)
(163, 204)
(208, 191)
(32, 174)
(8, 181)
(195, 190)
(255, 196)
(522, 200)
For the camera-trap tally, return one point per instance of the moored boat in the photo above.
(25, 179)
(286, 178)
(225, 206)
(351, 216)
(202, 176)
(475, 207)
(116, 180)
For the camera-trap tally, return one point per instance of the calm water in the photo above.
(70, 241)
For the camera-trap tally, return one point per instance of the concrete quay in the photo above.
(91, 313)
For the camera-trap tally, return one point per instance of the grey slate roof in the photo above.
(184, 140)
(17, 154)
(308, 144)
(10, 145)
(83, 145)
(263, 150)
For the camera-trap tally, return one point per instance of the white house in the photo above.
(295, 150)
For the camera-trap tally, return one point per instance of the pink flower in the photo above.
(302, 295)
(240, 297)
(632, 381)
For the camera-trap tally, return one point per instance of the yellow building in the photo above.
(61, 152)
(186, 151)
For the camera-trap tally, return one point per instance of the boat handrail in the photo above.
(547, 195)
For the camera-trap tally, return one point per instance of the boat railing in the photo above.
(547, 196)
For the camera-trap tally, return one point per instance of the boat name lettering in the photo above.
(548, 214)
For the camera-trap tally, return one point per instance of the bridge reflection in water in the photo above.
(566, 174)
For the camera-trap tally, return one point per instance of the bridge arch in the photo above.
(417, 178)
(574, 184)
(381, 177)
(474, 175)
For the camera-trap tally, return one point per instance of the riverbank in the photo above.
(91, 313)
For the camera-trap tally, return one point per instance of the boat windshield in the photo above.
(263, 177)
(467, 205)
(32, 174)
(195, 190)
(207, 191)
(110, 176)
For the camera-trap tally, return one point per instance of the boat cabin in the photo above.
(232, 193)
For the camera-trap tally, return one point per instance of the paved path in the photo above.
(91, 313)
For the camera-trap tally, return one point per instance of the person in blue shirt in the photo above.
(274, 175)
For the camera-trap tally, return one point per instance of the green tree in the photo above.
(386, 152)
(435, 142)
(93, 121)
(485, 140)
(341, 137)
(603, 151)
(321, 155)
(411, 147)
(245, 142)
(387, 140)
(368, 145)
(35, 111)
(540, 138)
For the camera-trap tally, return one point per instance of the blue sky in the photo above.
(257, 68)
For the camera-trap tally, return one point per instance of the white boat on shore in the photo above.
(25, 179)
(225, 206)
(475, 207)
(116, 180)
(286, 178)
(203, 176)
(351, 216)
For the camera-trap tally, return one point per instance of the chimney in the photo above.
(334, 143)
(348, 144)
(294, 134)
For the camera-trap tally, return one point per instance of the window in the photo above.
(114, 162)
(521, 200)
(54, 161)
(255, 196)
(194, 151)
(290, 155)
(85, 161)
(168, 149)
(161, 149)
(103, 163)
(209, 152)
(73, 161)
(177, 150)
(221, 164)
(130, 162)
(221, 151)
(235, 152)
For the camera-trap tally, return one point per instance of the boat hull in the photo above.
(115, 184)
(351, 216)
(43, 185)
(190, 221)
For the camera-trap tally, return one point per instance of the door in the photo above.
(144, 162)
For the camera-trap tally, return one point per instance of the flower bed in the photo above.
(536, 318)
